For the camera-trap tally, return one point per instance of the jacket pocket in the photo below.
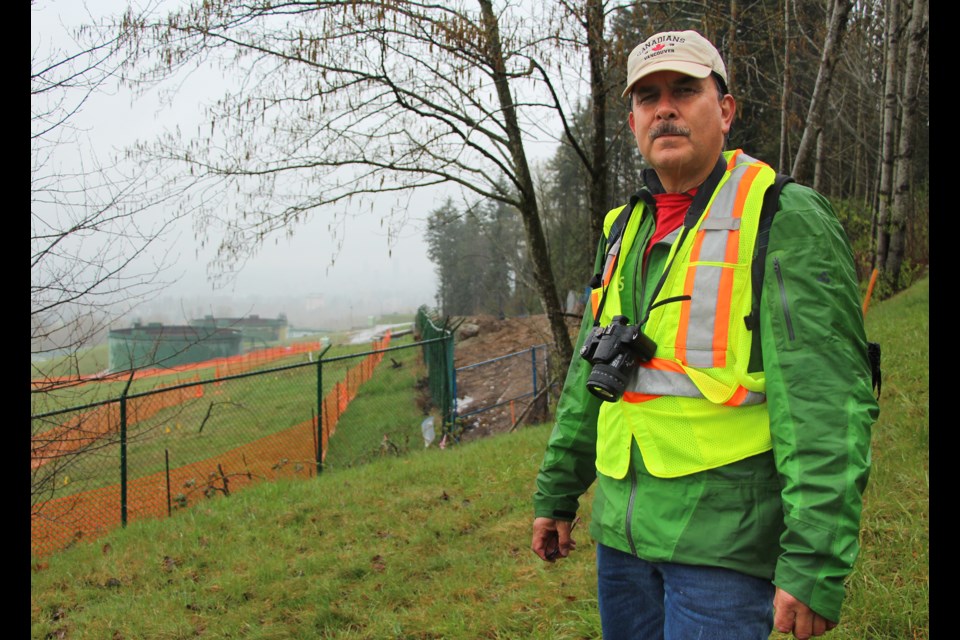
(784, 302)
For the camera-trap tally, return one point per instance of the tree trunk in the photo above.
(916, 45)
(731, 44)
(598, 95)
(889, 126)
(784, 97)
(861, 167)
(537, 245)
(821, 89)
(818, 164)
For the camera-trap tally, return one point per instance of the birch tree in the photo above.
(890, 119)
(785, 91)
(918, 33)
(840, 10)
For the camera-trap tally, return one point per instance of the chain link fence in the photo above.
(515, 387)
(438, 345)
(158, 443)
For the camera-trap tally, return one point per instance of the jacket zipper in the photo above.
(633, 495)
(639, 276)
(783, 298)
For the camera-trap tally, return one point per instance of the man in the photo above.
(731, 446)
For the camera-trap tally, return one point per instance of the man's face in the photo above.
(680, 123)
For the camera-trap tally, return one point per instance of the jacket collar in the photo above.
(652, 183)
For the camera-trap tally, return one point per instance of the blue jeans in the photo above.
(642, 600)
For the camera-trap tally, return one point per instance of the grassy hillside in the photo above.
(436, 544)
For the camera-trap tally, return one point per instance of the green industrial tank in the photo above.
(257, 332)
(156, 345)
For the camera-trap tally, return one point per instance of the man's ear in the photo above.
(728, 109)
(631, 123)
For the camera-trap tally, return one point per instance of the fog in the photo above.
(306, 277)
(295, 277)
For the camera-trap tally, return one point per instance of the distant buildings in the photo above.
(257, 332)
(158, 345)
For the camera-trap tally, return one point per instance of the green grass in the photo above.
(435, 544)
(384, 418)
(429, 545)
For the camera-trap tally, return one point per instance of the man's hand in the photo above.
(792, 616)
(551, 538)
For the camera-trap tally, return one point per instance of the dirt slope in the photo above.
(484, 337)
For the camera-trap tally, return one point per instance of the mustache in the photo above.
(668, 129)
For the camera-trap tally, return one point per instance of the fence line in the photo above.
(92, 513)
(438, 355)
(503, 408)
(226, 366)
(164, 429)
(86, 428)
(59, 521)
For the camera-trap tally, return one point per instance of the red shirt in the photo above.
(671, 209)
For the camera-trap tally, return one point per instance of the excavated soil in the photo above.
(485, 337)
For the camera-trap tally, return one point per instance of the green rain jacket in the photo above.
(791, 515)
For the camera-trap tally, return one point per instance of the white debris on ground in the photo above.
(369, 335)
(429, 433)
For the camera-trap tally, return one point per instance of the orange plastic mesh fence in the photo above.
(61, 520)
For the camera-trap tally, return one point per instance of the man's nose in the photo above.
(666, 109)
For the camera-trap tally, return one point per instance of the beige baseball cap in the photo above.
(686, 52)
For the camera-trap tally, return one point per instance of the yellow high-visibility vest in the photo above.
(693, 406)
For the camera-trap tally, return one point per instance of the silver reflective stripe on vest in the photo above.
(656, 382)
(716, 229)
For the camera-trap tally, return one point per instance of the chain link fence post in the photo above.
(320, 410)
